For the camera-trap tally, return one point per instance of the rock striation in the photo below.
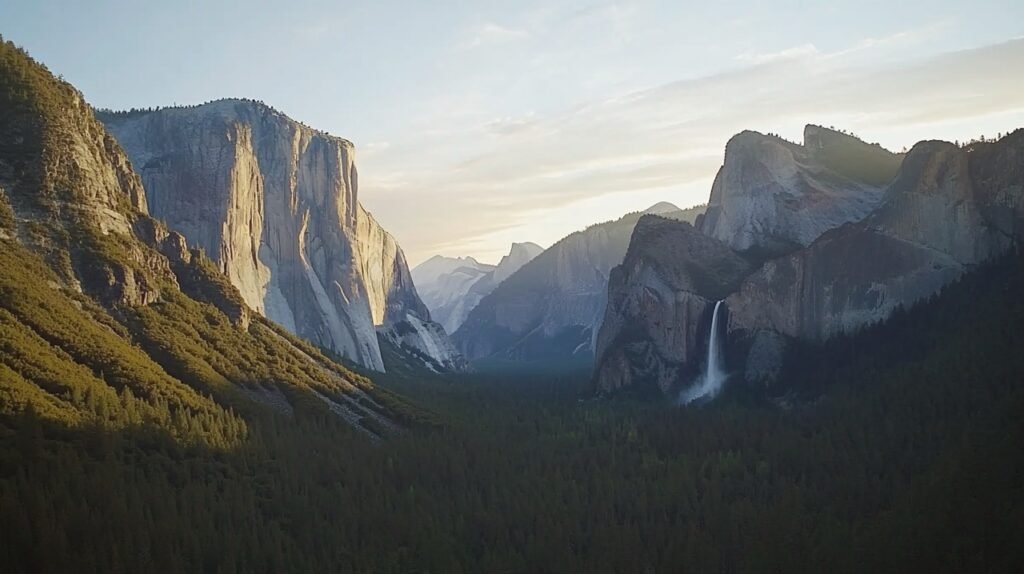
(551, 308)
(662, 292)
(275, 204)
(946, 210)
(772, 196)
(107, 316)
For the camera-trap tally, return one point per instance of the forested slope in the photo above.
(895, 461)
(109, 321)
(148, 423)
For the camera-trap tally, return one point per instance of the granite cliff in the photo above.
(825, 252)
(551, 308)
(275, 204)
(108, 321)
(949, 209)
(772, 196)
(658, 300)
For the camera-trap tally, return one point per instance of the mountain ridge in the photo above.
(453, 287)
(275, 204)
(109, 321)
(551, 308)
(946, 209)
(772, 196)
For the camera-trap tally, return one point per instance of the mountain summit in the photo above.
(833, 240)
(452, 287)
(772, 196)
(551, 308)
(109, 322)
(276, 205)
(661, 208)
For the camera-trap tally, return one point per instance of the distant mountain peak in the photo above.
(661, 207)
(526, 247)
(518, 255)
(356, 287)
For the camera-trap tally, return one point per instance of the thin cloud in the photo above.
(668, 138)
(510, 125)
(490, 34)
(802, 51)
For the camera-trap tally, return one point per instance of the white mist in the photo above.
(710, 383)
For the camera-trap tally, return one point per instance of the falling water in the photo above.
(711, 381)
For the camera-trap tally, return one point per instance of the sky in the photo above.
(480, 123)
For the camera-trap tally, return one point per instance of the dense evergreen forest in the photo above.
(895, 450)
(184, 436)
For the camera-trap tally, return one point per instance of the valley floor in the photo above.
(901, 451)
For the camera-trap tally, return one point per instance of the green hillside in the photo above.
(149, 422)
(107, 322)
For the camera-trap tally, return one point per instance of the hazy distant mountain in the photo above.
(431, 270)
(452, 286)
(662, 208)
(149, 416)
(276, 205)
(552, 306)
(519, 255)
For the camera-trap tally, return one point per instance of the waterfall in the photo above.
(714, 375)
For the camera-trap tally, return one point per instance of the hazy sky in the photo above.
(479, 123)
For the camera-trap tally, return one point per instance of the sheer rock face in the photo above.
(275, 204)
(75, 200)
(665, 288)
(947, 210)
(452, 287)
(552, 307)
(520, 254)
(772, 196)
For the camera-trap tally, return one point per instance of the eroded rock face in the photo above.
(947, 210)
(275, 204)
(664, 290)
(772, 196)
(520, 254)
(76, 203)
(552, 307)
(939, 218)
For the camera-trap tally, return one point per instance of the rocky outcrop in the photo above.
(424, 341)
(71, 193)
(100, 300)
(275, 205)
(520, 254)
(452, 287)
(947, 209)
(551, 308)
(658, 298)
(772, 196)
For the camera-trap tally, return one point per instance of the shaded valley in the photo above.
(214, 359)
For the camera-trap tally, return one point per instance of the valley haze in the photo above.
(564, 286)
